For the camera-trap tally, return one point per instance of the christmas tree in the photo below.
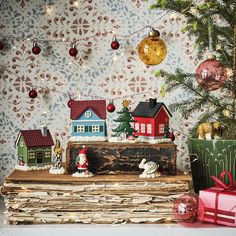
(212, 24)
(125, 119)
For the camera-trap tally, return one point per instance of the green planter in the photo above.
(211, 157)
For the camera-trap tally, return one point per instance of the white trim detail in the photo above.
(142, 128)
(149, 128)
(77, 121)
(30, 168)
(88, 138)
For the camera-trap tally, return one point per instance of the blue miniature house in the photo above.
(88, 120)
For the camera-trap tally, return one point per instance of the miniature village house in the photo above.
(34, 149)
(150, 119)
(88, 120)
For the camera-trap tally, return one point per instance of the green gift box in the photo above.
(211, 157)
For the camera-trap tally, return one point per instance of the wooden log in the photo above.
(122, 158)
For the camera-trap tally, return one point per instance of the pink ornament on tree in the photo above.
(211, 74)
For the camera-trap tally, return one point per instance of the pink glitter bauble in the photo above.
(211, 74)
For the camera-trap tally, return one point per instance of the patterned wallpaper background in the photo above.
(97, 71)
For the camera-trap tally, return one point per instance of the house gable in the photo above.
(89, 115)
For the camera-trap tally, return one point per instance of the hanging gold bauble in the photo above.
(152, 50)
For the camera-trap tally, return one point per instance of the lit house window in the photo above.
(149, 128)
(161, 128)
(136, 127)
(142, 128)
(80, 129)
(88, 114)
(95, 128)
(31, 155)
(21, 144)
(47, 154)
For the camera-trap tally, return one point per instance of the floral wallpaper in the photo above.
(97, 71)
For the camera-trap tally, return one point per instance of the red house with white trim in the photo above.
(150, 119)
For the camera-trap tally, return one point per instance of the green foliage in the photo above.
(211, 105)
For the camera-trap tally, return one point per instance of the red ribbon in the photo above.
(219, 183)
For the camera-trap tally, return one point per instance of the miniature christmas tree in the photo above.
(212, 24)
(124, 119)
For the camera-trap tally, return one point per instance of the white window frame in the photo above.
(142, 128)
(32, 155)
(136, 126)
(22, 143)
(80, 128)
(88, 114)
(161, 128)
(149, 128)
(95, 128)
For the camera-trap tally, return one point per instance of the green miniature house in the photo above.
(34, 149)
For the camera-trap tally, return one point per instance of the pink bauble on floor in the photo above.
(211, 74)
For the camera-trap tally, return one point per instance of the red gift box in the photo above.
(219, 202)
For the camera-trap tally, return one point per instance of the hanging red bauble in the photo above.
(69, 103)
(211, 74)
(36, 49)
(188, 210)
(73, 51)
(111, 107)
(115, 44)
(1, 45)
(172, 136)
(33, 93)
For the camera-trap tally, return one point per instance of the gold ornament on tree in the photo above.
(152, 50)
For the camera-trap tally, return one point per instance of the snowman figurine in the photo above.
(82, 165)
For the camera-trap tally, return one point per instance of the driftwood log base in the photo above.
(122, 158)
(38, 197)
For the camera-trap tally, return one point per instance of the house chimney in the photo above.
(44, 130)
(152, 102)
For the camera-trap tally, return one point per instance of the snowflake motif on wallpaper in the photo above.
(138, 84)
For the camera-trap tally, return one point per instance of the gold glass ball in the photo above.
(152, 50)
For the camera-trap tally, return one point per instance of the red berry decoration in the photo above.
(111, 107)
(115, 44)
(172, 136)
(69, 103)
(211, 74)
(36, 49)
(73, 51)
(1, 45)
(33, 93)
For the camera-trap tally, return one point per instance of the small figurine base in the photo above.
(153, 175)
(85, 139)
(30, 168)
(59, 171)
(83, 174)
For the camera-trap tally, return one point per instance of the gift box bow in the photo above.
(219, 181)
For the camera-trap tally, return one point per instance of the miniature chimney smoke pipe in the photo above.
(152, 102)
(44, 130)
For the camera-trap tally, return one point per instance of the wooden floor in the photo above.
(45, 177)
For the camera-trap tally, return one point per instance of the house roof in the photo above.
(143, 110)
(34, 138)
(77, 108)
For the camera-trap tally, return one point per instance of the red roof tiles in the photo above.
(34, 138)
(77, 108)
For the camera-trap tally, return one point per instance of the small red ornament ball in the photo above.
(1, 45)
(115, 45)
(111, 107)
(69, 103)
(36, 49)
(172, 136)
(73, 51)
(33, 93)
(211, 74)
(188, 210)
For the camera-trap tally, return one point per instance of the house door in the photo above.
(39, 157)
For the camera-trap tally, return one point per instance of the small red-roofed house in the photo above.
(88, 120)
(34, 148)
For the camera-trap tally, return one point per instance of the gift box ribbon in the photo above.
(219, 183)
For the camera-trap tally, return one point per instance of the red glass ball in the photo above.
(33, 93)
(115, 45)
(111, 107)
(188, 210)
(211, 74)
(36, 49)
(69, 103)
(73, 52)
(1, 45)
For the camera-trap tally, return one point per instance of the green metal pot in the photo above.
(211, 157)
